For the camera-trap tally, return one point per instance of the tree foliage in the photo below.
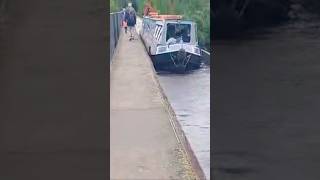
(311, 5)
(195, 10)
(234, 16)
(114, 6)
(117, 5)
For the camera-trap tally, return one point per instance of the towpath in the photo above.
(143, 143)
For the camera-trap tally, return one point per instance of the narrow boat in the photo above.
(171, 42)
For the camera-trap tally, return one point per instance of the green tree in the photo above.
(195, 10)
(114, 6)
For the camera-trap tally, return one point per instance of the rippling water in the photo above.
(189, 95)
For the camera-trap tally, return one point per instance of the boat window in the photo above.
(157, 32)
(177, 32)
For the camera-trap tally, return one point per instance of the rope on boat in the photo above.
(173, 59)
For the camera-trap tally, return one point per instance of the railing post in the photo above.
(116, 24)
(115, 28)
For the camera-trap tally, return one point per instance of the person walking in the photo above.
(131, 20)
(123, 20)
(148, 8)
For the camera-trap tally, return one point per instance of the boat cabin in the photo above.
(159, 32)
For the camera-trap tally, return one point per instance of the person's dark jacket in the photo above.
(131, 21)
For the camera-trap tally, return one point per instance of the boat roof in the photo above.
(168, 19)
(156, 16)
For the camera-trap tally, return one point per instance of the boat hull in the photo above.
(165, 62)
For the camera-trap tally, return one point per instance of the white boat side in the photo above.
(154, 34)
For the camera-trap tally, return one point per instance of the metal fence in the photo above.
(115, 21)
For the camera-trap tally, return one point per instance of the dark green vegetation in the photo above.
(311, 5)
(232, 17)
(196, 10)
(117, 5)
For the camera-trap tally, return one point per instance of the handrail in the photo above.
(115, 12)
(205, 51)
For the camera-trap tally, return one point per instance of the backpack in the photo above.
(131, 17)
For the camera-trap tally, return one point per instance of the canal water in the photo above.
(189, 96)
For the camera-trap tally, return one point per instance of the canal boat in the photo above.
(171, 42)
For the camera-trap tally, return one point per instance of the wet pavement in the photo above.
(189, 95)
(143, 143)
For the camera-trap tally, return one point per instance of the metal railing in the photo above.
(115, 22)
(205, 57)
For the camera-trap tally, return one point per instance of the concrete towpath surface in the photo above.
(142, 141)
